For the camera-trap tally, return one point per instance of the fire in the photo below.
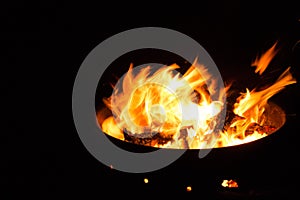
(250, 108)
(169, 110)
(164, 103)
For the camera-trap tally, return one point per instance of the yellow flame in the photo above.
(164, 102)
(250, 107)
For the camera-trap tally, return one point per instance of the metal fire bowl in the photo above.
(249, 161)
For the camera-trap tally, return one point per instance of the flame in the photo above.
(261, 63)
(178, 111)
(164, 103)
(249, 108)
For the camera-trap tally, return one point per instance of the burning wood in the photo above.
(261, 129)
(147, 139)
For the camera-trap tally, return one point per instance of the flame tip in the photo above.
(263, 61)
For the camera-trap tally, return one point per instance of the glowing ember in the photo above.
(230, 183)
(168, 110)
(188, 188)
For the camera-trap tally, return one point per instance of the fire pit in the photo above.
(162, 108)
(244, 146)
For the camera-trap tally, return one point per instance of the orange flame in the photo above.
(250, 107)
(164, 102)
(262, 63)
(180, 109)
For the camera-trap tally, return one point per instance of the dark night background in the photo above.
(45, 46)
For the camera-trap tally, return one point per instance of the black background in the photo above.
(45, 45)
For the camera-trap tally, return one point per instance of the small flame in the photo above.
(262, 62)
(230, 184)
(146, 180)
